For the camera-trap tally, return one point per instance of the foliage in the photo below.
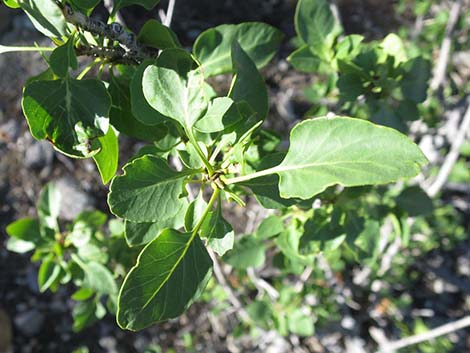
(207, 150)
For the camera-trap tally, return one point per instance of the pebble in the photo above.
(74, 199)
(29, 322)
(39, 155)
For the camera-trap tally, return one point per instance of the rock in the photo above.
(29, 322)
(10, 130)
(39, 155)
(74, 199)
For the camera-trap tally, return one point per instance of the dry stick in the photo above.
(452, 156)
(169, 13)
(426, 336)
(261, 285)
(444, 53)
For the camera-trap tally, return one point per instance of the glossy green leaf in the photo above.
(315, 23)
(70, 113)
(107, 158)
(46, 16)
(345, 151)
(175, 96)
(148, 191)
(63, 57)
(170, 273)
(247, 252)
(13, 4)
(248, 84)
(26, 229)
(213, 47)
(156, 35)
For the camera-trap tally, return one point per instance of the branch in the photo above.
(452, 156)
(133, 51)
(426, 336)
(169, 13)
(443, 60)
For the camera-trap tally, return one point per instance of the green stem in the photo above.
(247, 177)
(88, 68)
(211, 202)
(7, 49)
(193, 141)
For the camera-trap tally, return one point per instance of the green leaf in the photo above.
(19, 246)
(348, 47)
(156, 35)
(393, 45)
(300, 323)
(248, 84)
(107, 158)
(414, 201)
(416, 74)
(175, 96)
(218, 232)
(222, 113)
(46, 16)
(345, 151)
(123, 109)
(48, 274)
(304, 60)
(270, 227)
(247, 252)
(13, 4)
(148, 191)
(84, 314)
(143, 233)
(26, 229)
(63, 57)
(70, 113)
(213, 47)
(170, 274)
(86, 5)
(98, 278)
(315, 23)
(148, 4)
(139, 105)
(48, 206)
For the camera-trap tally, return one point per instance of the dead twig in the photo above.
(444, 52)
(452, 157)
(426, 336)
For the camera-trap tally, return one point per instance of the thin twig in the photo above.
(426, 336)
(169, 13)
(261, 285)
(444, 53)
(452, 156)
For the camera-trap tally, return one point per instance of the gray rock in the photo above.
(29, 322)
(39, 155)
(74, 199)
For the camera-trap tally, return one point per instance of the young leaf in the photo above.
(170, 273)
(26, 229)
(270, 227)
(156, 35)
(148, 191)
(248, 84)
(222, 113)
(213, 47)
(70, 113)
(175, 96)
(48, 206)
(48, 274)
(63, 57)
(315, 23)
(303, 59)
(98, 278)
(107, 158)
